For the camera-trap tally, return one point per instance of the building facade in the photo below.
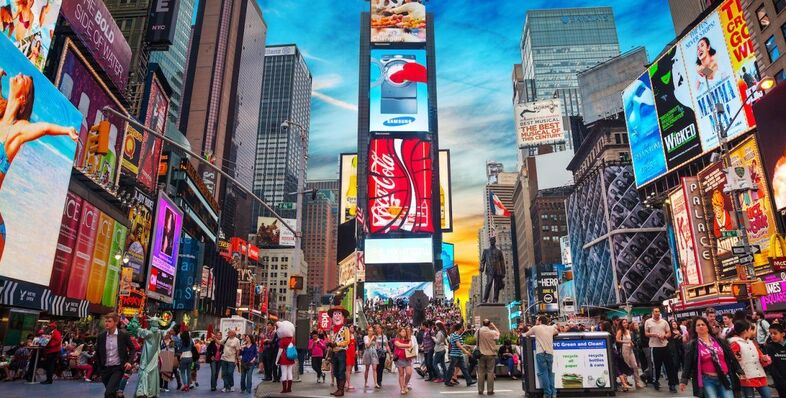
(601, 85)
(276, 266)
(501, 228)
(549, 223)
(319, 238)
(132, 18)
(767, 25)
(684, 12)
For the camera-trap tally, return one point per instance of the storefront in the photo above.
(21, 304)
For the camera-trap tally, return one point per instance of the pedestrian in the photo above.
(52, 352)
(370, 358)
(659, 332)
(339, 340)
(544, 354)
(402, 343)
(427, 348)
(762, 328)
(83, 363)
(352, 350)
(213, 359)
(676, 346)
(709, 364)
(186, 359)
(776, 349)
(383, 352)
(440, 348)
(625, 340)
(751, 360)
(114, 354)
(286, 340)
(728, 325)
(456, 353)
(270, 344)
(487, 337)
(229, 360)
(248, 361)
(711, 314)
(317, 348)
(168, 363)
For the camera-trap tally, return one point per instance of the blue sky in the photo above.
(477, 43)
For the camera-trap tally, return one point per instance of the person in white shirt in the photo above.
(544, 354)
(229, 360)
(659, 332)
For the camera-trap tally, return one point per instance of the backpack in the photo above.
(291, 352)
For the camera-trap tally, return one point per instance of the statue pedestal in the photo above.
(495, 312)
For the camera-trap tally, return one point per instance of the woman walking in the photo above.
(248, 358)
(186, 359)
(440, 349)
(213, 359)
(370, 358)
(709, 364)
(625, 339)
(383, 352)
(676, 345)
(751, 360)
(317, 348)
(402, 344)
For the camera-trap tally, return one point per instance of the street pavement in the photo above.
(308, 388)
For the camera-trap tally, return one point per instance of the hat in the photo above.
(338, 308)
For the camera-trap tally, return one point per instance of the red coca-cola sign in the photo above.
(399, 186)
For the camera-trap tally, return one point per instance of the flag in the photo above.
(497, 207)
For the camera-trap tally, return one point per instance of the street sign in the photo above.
(745, 259)
(286, 205)
(729, 234)
(740, 250)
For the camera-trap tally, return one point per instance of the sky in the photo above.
(477, 43)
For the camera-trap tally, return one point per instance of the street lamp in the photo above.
(123, 255)
(301, 181)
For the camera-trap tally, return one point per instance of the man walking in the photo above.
(659, 332)
(114, 353)
(762, 328)
(456, 352)
(487, 344)
(544, 354)
(427, 348)
(229, 360)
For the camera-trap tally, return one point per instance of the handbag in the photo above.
(476, 353)
(326, 365)
(410, 352)
(291, 352)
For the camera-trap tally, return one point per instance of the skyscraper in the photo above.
(281, 151)
(221, 101)
(319, 237)
(500, 228)
(132, 17)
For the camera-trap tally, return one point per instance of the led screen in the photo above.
(399, 251)
(164, 250)
(398, 96)
(397, 21)
(395, 290)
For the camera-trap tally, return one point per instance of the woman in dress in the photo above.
(352, 352)
(625, 339)
(370, 358)
(402, 343)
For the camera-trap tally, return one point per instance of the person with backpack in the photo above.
(762, 328)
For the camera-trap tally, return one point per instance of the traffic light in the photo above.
(98, 139)
(296, 282)
(739, 290)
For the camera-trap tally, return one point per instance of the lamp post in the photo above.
(301, 181)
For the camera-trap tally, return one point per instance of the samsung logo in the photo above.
(399, 121)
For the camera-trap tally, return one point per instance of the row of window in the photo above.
(770, 45)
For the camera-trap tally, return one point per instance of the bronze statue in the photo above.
(493, 263)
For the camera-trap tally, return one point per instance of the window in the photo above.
(780, 76)
(783, 30)
(772, 48)
(544, 228)
(779, 5)
(764, 19)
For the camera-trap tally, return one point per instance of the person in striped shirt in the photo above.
(456, 352)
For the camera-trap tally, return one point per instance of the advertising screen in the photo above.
(34, 175)
(138, 238)
(97, 276)
(66, 244)
(30, 26)
(132, 150)
(398, 96)
(398, 21)
(349, 187)
(448, 256)
(164, 250)
(684, 238)
(271, 233)
(80, 268)
(771, 118)
(445, 192)
(538, 123)
(641, 118)
(775, 300)
(702, 244)
(155, 111)
(399, 251)
(186, 274)
(547, 292)
(399, 186)
(113, 270)
(82, 86)
(723, 225)
(454, 277)
(395, 290)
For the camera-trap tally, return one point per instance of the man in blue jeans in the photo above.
(544, 354)
(229, 358)
(456, 351)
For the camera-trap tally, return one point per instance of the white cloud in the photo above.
(334, 101)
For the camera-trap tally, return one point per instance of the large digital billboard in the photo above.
(270, 232)
(39, 133)
(349, 187)
(395, 290)
(771, 117)
(138, 238)
(398, 96)
(66, 244)
(538, 122)
(400, 186)
(641, 118)
(680, 215)
(445, 192)
(398, 21)
(399, 251)
(164, 250)
(448, 256)
(30, 25)
(155, 112)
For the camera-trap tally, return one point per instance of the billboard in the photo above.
(155, 111)
(538, 122)
(164, 250)
(83, 257)
(400, 186)
(161, 25)
(113, 270)
(398, 21)
(641, 119)
(138, 238)
(66, 244)
(723, 225)
(445, 192)
(97, 274)
(398, 94)
(186, 274)
(30, 26)
(93, 24)
(448, 256)
(82, 86)
(399, 251)
(132, 150)
(702, 244)
(683, 234)
(270, 232)
(546, 291)
(395, 290)
(34, 174)
(771, 117)
(349, 187)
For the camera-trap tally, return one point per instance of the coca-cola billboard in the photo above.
(400, 186)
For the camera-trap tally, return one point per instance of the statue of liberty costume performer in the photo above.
(149, 378)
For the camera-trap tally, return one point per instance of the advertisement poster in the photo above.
(756, 204)
(538, 122)
(271, 233)
(723, 225)
(547, 294)
(742, 54)
(186, 274)
(132, 150)
(445, 192)
(80, 269)
(399, 186)
(164, 250)
(580, 364)
(398, 21)
(398, 97)
(684, 238)
(775, 300)
(93, 24)
(704, 47)
(34, 179)
(641, 117)
(349, 187)
(97, 275)
(381, 291)
(155, 118)
(702, 244)
(30, 26)
(82, 86)
(109, 298)
(66, 244)
(138, 238)
(132, 304)
(676, 118)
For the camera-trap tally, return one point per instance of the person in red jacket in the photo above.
(52, 352)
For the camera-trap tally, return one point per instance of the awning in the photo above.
(24, 295)
(64, 306)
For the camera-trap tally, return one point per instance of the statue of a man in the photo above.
(493, 264)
